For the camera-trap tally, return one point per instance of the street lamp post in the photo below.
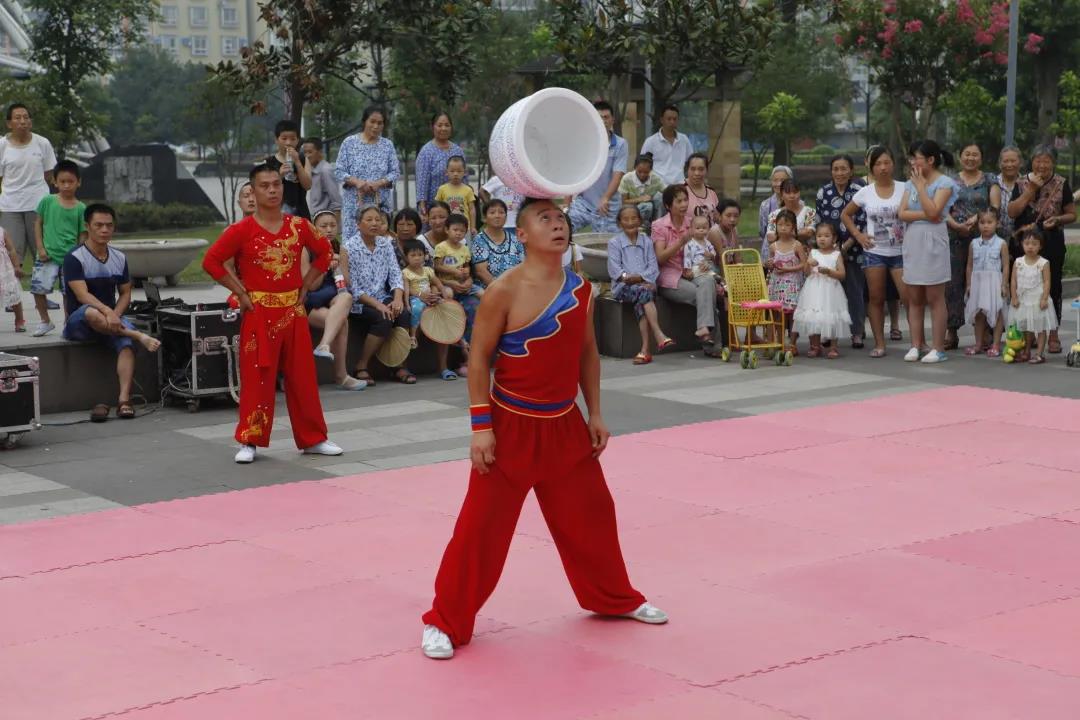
(1010, 82)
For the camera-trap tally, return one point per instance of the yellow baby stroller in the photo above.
(749, 308)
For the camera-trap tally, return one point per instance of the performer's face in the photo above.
(267, 187)
(544, 228)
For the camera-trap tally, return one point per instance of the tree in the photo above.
(150, 92)
(619, 38)
(1052, 32)
(1068, 117)
(975, 115)
(782, 117)
(336, 113)
(74, 42)
(315, 40)
(920, 50)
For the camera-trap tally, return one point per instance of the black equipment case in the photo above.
(199, 351)
(20, 398)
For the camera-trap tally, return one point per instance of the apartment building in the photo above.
(206, 31)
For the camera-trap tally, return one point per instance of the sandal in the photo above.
(857, 342)
(1053, 347)
(711, 352)
(21, 327)
(99, 413)
(973, 351)
(895, 334)
(668, 342)
(125, 410)
(448, 374)
(877, 353)
(1024, 356)
(833, 353)
(642, 359)
(952, 341)
(814, 351)
(405, 377)
(363, 374)
(1036, 359)
(993, 351)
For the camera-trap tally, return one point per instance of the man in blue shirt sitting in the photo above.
(97, 291)
(597, 207)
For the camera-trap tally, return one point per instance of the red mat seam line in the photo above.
(765, 705)
(147, 507)
(801, 661)
(195, 646)
(1053, 517)
(1043, 581)
(787, 448)
(1006, 658)
(170, 701)
(126, 557)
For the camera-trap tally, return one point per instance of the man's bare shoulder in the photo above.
(506, 286)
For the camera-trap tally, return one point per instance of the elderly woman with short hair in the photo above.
(771, 204)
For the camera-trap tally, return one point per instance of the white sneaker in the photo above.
(324, 448)
(934, 356)
(245, 454)
(43, 329)
(436, 644)
(647, 613)
(912, 355)
(323, 351)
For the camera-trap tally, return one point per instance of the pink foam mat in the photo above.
(907, 562)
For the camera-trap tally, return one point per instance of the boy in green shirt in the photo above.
(59, 230)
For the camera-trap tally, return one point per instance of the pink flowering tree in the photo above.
(921, 50)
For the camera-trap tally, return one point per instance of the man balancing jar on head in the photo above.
(528, 434)
(266, 248)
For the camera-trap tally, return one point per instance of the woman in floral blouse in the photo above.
(832, 198)
(367, 165)
(431, 161)
(496, 248)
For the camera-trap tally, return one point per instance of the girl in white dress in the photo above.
(987, 288)
(10, 287)
(823, 309)
(1031, 311)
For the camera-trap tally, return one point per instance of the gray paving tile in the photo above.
(26, 513)
(17, 483)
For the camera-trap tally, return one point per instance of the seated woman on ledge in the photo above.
(633, 270)
(328, 307)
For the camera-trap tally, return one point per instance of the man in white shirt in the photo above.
(324, 193)
(669, 147)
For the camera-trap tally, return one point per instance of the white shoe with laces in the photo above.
(912, 355)
(648, 613)
(245, 454)
(436, 644)
(43, 328)
(324, 448)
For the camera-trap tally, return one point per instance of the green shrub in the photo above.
(138, 217)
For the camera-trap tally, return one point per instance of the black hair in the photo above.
(410, 215)
(965, 144)
(670, 106)
(875, 154)
(439, 204)
(284, 126)
(411, 246)
(494, 202)
(441, 113)
(67, 166)
(16, 106)
(260, 168)
(371, 110)
(456, 219)
(317, 142)
(624, 208)
(789, 185)
(644, 158)
(842, 156)
(930, 150)
(726, 203)
(603, 105)
(671, 192)
(786, 215)
(832, 228)
(96, 209)
(1033, 232)
(702, 156)
(459, 158)
(988, 211)
(528, 203)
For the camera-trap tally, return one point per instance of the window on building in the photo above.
(198, 45)
(167, 42)
(229, 17)
(197, 14)
(230, 46)
(169, 15)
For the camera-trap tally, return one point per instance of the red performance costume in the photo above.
(276, 334)
(543, 445)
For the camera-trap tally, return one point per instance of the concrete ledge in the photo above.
(617, 332)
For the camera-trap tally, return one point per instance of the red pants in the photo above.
(553, 457)
(273, 338)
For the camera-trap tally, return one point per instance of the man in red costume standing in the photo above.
(266, 249)
(538, 318)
